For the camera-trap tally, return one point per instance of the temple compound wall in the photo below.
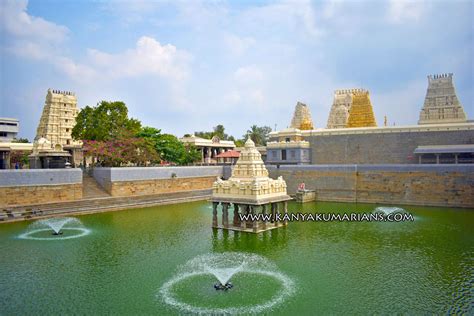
(37, 186)
(149, 180)
(430, 185)
(384, 145)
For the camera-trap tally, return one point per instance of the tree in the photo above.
(104, 122)
(259, 135)
(169, 147)
(218, 131)
(20, 157)
(122, 150)
(20, 140)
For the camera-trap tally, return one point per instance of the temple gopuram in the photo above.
(249, 191)
(443, 134)
(53, 146)
(351, 108)
(441, 102)
(302, 117)
(341, 105)
(361, 113)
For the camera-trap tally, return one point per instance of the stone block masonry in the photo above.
(430, 185)
(150, 180)
(393, 145)
(36, 186)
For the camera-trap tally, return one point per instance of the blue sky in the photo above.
(186, 66)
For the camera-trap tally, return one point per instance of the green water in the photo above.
(419, 267)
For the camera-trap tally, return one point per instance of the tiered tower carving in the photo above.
(249, 181)
(340, 109)
(302, 117)
(58, 119)
(249, 191)
(441, 102)
(361, 113)
(351, 108)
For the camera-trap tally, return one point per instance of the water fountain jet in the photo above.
(57, 227)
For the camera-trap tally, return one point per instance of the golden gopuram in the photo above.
(361, 113)
(302, 117)
(249, 192)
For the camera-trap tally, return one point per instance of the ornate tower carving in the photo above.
(302, 117)
(361, 113)
(340, 109)
(441, 102)
(58, 119)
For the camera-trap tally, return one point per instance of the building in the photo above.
(249, 191)
(288, 148)
(9, 129)
(53, 146)
(209, 148)
(441, 102)
(228, 157)
(8, 152)
(361, 113)
(341, 105)
(302, 117)
(351, 108)
(443, 134)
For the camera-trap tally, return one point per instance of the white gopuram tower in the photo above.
(441, 102)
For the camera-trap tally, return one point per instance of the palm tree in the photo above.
(259, 135)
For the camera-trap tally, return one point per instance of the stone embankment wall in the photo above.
(436, 185)
(36, 186)
(150, 180)
(433, 185)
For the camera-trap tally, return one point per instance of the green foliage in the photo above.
(259, 135)
(104, 122)
(239, 143)
(20, 156)
(20, 140)
(218, 131)
(169, 147)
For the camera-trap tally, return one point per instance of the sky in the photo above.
(185, 66)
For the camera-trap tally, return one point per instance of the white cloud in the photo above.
(232, 97)
(29, 36)
(238, 45)
(248, 74)
(400, 11)
(287, 12)
(18, 22)
(148, 57)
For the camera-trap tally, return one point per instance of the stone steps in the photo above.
(94, 205)
(91, 189)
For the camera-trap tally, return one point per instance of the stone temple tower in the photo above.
(441, 102)
(340, 109)
(361, 113)
(53, 146)
(302, 117)
(58, 119)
